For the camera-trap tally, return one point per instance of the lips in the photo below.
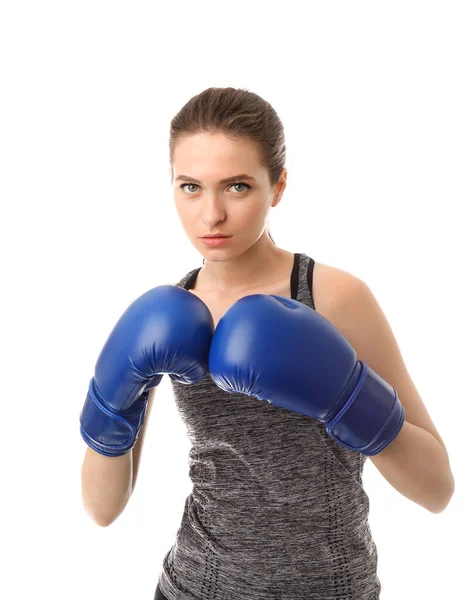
(216, 240)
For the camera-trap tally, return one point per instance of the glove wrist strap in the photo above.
(371, 417)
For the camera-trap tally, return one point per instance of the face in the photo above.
(206, 204)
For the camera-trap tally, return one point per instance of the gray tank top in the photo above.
(277, 510)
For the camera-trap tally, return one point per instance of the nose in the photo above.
(213, 210)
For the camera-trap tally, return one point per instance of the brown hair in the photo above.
(237, 113)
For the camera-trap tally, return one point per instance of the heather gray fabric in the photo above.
(277, 510)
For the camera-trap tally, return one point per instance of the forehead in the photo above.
(218, 149)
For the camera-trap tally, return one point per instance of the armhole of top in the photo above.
(310, 269)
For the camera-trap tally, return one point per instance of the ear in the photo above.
(280, 187)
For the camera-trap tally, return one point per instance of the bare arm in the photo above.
(107, 482)
(137, 448)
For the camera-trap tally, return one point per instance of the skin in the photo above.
(205, 206)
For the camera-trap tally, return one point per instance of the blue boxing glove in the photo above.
(166, 330)
(280, 350)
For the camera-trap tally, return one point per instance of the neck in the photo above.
(256, 265)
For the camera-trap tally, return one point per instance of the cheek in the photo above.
(251, 213)
(186, 213)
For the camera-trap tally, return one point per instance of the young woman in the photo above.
(277, 508)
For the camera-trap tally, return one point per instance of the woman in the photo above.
(277, 508)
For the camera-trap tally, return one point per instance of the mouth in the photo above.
(214, 236)
(215, 240)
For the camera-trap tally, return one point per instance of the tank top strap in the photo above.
(301, 286)
(187, 280)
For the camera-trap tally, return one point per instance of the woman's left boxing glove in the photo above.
(280, 350)
(166, 330)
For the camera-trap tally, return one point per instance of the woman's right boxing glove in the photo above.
(166, 330)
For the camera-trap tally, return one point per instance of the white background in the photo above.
(373, 97)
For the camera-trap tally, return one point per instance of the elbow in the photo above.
(101, 518)
(104, 523)
(444, 497)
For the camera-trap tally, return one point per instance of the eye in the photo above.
(246, 185)
(185, 184)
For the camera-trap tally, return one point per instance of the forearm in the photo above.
(417, 466)
(106, 485)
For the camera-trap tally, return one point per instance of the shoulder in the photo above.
(332, 287)
(349, 304)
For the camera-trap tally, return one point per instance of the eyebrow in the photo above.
(227, 180)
